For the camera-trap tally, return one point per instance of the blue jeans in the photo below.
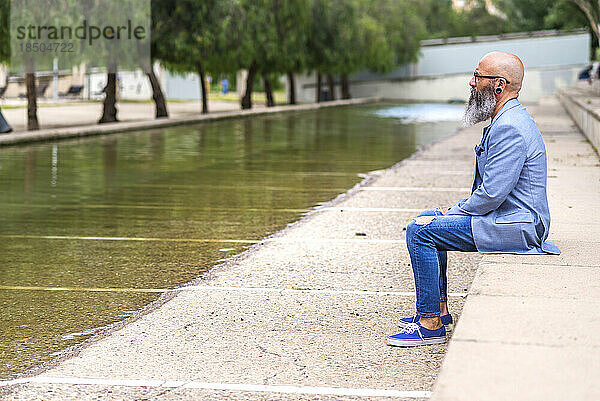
(427, 245)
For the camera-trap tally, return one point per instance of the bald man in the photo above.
(507, 211)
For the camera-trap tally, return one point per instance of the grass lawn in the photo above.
(279, 96)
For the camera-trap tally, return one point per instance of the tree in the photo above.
(109, 104)
(115, 51)
(292, 24)
(591, 10)
(440, 18)
(193, 35)
(390, 34)
(25, 60)
(524, 15)
(257, 42)
(268, 43)
(534, 15)
(333, 21)
(565, 14)
(294, 27)
(351, 35)
(477, 20)
(160, 105)
(364, 45)
(443, 20)
(24, 56)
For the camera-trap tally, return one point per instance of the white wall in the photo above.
(134, 85)
(537, 83)
(552, 61)
(182, 86)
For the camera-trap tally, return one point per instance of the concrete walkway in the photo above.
(305, 314)
(71, 114)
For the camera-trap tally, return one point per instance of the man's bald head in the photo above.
(506, 65)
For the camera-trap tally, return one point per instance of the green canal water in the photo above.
(85, 225)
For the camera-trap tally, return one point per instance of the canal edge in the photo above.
(54, 134)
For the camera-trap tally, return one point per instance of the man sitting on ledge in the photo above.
(507, 211)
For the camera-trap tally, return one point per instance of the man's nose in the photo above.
(472, 82)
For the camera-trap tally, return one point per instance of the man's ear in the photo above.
(501, 86)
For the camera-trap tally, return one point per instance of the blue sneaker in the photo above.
(446, 321)
(414, 335)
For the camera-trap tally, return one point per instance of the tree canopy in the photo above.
(332, 37)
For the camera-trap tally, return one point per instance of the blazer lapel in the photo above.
(479, 149)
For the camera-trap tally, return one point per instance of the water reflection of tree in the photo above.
(248, 130)
(29, 184)
(290, 131)
(201, 135)
(109, 161)
(267, 129)
(157, 146)
(316, 134)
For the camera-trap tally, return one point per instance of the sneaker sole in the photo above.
(449, 327)
(416, 343)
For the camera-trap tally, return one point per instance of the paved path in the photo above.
(305, 314)
(88, 113)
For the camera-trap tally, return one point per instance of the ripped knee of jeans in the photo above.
(423, 220)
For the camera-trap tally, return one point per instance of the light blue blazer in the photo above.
(508, 201)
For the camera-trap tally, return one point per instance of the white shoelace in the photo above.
(411, 328)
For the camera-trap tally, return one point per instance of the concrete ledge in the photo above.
(584, 114)
(104, 129)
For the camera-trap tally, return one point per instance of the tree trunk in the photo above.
(203, 88)
(345, 87)
(331, 86)
(160, 105)
(319, 82)
(268, 91)
(32, 120)
(109, 111)
(291, 88)
(247, 99)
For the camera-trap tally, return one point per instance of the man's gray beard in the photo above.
(480, 107)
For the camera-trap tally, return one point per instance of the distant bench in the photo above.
(73, 91)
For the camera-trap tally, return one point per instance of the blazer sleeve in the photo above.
(506, 155)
